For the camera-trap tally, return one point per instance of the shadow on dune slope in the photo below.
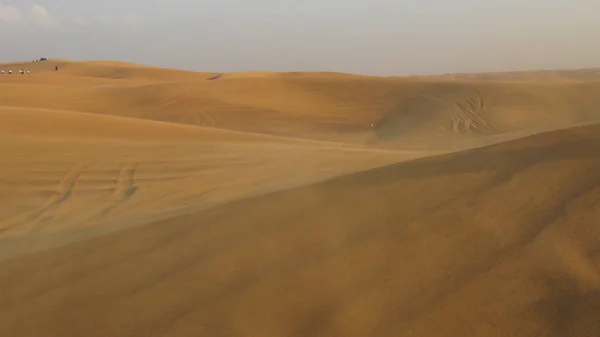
(496, 241)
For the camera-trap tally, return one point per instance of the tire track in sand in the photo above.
(125, 186)
(47, 211)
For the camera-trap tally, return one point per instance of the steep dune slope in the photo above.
(496, 241)
(432, 113)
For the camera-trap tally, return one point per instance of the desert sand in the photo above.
(140, 201)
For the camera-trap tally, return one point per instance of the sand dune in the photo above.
(68, 175)
(404, 112)
(141, 201)
(500, 241)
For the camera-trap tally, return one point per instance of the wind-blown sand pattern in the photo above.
(137, 201)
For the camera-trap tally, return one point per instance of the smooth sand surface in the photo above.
(138, 201)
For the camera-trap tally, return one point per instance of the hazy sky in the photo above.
(380, 37)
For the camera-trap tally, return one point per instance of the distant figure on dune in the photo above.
(10, 72)
(28, 72)
(55, 68)
(1, 72)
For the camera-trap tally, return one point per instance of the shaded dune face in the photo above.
(138, 201)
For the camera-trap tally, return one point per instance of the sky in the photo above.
(374, 37)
